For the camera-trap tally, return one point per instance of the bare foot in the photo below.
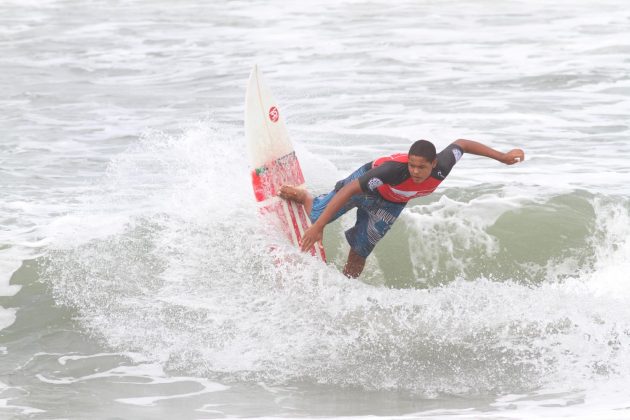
(289, 192)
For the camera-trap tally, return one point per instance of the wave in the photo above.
(484, 233)
(483, 290)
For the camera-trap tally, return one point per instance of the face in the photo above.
(420, 168)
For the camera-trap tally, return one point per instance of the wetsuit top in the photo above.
(389, 176)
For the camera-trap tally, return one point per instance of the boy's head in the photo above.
(422, 160)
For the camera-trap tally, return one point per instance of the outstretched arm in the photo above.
(475, 148)
(316, 231)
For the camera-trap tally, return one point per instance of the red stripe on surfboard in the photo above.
(301, 214)
(294, 234)
(296, 228)
(305, 225)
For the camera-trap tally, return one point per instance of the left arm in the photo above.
(475, 148)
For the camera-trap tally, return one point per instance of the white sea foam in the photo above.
(7, 317)
(450, 233)
(7, 268)
(610, 276)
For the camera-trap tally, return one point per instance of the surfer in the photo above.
(380, 190)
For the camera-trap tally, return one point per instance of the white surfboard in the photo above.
(274, 162)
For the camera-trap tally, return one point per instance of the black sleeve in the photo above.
(446, 159)
(392, 173)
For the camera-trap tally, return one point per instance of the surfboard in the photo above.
(274, 163)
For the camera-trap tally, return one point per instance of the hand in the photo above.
(513, 156)
(311, 236)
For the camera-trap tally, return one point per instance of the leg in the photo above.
(374, 218)
(298, 195)
(354, 265)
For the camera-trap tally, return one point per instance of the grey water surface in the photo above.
(136, 280)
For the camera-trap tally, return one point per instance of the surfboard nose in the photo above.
(254, 74)
(267, 136)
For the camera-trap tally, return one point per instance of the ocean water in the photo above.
(136, 280)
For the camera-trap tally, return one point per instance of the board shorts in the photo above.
(375, 215)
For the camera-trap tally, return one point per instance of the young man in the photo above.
(381, 189)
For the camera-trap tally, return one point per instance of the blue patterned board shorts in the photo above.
(375, 216)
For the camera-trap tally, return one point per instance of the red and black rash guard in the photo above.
(389, 176)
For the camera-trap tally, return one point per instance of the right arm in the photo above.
(315, 233)
(476, 148)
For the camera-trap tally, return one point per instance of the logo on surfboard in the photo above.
(274, 114)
